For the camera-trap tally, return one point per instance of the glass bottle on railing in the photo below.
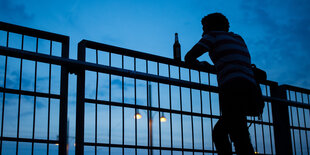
(176, 48)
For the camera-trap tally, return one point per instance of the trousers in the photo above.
(232, 125)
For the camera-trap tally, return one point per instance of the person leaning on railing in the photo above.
(238, 88)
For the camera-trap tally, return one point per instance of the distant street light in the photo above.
(163, 119)
(139, 116)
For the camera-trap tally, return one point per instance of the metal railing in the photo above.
(20, 85)
(149, 74)
(178, 102)
(299, 123)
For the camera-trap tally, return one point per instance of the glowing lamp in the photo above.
(163, 119)
(138, 116)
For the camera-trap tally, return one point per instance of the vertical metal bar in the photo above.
(171, 137)
(269, 120)
(49, 100)
(210, 101)
(80, 106)
(280, 115)
(123, 101)
(191, 104)
(7, 38)
(35, 98)
(255, 136)
(306, 131)
(4, 85)
(19, 95)
(263, 136)
(159, 111)
(181, 108)
(298, 121)
(150, 119)
(305, 122)
(3, 101)
(63, 112)
(96, 108)
(149, 113)
(202, 130)
(110, 108)
(291, 109)
(136, 122)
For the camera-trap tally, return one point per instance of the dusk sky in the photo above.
(276, 32)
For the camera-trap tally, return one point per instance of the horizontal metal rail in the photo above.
(75, 66)
(29, 93)
(148, 147)
(275, 100)
(298, 89)
(29, 140)
(33, 32)
(149, 108)
(119, 104)
(152, 147)
(141, 55)
(150, 57)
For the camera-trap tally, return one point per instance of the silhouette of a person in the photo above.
(235, 77)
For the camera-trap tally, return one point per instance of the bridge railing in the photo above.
(177, 103)
(33, 90)
(199, 84)
(150, 85)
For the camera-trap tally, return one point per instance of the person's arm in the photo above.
(204, 45)
(194, 53)
(206, 64)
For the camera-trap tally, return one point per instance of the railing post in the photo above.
(280, 114)
(63, 118)
(80, 105)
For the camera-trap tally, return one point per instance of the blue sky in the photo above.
(276, 31)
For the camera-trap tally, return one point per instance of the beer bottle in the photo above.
(176, 48)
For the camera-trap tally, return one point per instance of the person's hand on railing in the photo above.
(202, 64)
(206, 64)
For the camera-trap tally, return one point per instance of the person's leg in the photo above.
(239, 135)
(235, 97)
(220, 138)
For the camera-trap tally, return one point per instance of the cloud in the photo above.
(284, 40)
(14, 13)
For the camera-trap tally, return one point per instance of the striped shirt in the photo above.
(229, 54)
